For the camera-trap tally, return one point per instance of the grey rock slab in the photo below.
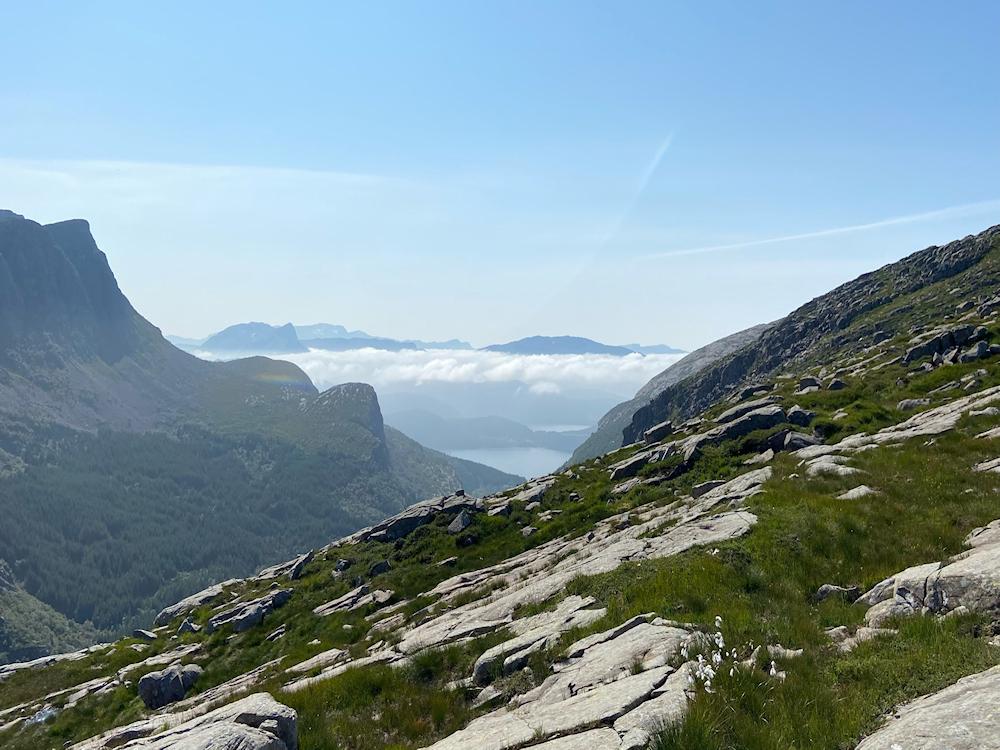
(658, 432)
(460, 522)
(667, 706)
(857, 493)
(538, 574)
(534, 633)
(158, 689)
(745, 408)
(291, 569)
(993, 466)
(831, 591)
(190, 603)
(963, 716)
(595, 739)
(646, 645)
(256, 711)
(379, 657)
(505, 729)
(246, 615)
(319, 661)
(927, 423)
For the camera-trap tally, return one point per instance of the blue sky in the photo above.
(494, 170)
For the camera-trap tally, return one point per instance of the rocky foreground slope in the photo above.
(811, 562)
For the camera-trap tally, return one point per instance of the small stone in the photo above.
(528, 531)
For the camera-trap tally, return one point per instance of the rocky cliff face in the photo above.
(819, 327)
(610, 430)
(131, 471)
(57, 291)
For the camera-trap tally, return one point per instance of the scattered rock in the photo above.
(836, 385)
(857, 493)
(460, 522)
(246, 615)
(188, 626)
(658, 432)
(528, 531)
(796, 440)
(377, 569)
(145, 635)
(800, 417)
(745, 408)
(700, 489)
(184, 606)
(830, 591)
(158, 689)
(909, 404)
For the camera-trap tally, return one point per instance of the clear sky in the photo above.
(493, 170)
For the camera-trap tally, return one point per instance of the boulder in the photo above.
(257, 722)
(377, 569)
(145, 635)
(191, 603)
(745, 408)
(942, 343)
(246, 615)
(810, 382)
(977, 351)
(963, 716)
(910, 404)
(700, 489)
(800, 417)
(656, 433)
(795, 440)
(836, 385)
(857, 493)
(460, 522)
(158, 689)
(831, 591)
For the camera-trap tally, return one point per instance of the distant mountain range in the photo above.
(132, 472)
(575, 345)
(262, 338)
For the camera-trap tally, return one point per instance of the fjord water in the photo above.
(526, 462)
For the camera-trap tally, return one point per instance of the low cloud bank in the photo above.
(544, 374)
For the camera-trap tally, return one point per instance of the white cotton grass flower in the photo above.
(718, 622)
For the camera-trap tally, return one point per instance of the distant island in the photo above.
(575, 345)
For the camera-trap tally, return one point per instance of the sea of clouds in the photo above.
(544, 374)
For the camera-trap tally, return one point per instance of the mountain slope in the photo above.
(255, 337)
(608, 435)
(795, 570)
(132, 472)
(819, 327)
(792, 571)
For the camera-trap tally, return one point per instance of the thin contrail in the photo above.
(644, 179)
(941, 213)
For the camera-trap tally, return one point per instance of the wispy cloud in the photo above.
(952, 212)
